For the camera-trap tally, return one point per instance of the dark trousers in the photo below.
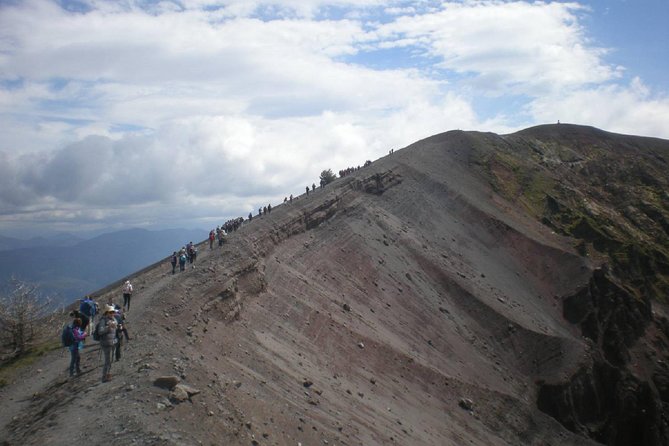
(117, 349)
(174, 267)
(126, 300)
(75, 359)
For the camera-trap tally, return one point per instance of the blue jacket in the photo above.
(87, 307)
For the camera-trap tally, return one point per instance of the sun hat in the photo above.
(109, 309)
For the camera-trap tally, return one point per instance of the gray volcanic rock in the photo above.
(166, 382)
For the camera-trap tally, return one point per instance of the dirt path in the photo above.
(44, 387)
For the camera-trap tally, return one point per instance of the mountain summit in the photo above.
(471, 288)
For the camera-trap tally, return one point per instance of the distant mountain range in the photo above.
(57, 240)
(67, 267)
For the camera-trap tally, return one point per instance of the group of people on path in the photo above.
(187, 254)
(217, 234)
(232, 225)
(350, 170)
(109, 331)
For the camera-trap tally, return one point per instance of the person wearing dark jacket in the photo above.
(88, 307)
(84, 319)
(107, 331)
(121, 330)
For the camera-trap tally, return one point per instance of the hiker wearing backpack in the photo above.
(106, 333)
(127, 294)
(182, 262)
(193, 255)
(120, 331)
(88, 307)
(73, 337)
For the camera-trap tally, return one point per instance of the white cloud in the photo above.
(533, 48)
(118, 113)
(624, 109)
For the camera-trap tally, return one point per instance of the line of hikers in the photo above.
(236, 223)
(231, 225)
(350, 170)
(261, 211)
(109, 331)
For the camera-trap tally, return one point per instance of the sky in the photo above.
(166, 114)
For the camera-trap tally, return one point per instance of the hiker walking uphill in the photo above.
(174, 261)
(89, 308)
(121, 330)
(106, 334)
(73, 339)
(182, 261)
(127, 294)
(192, 253)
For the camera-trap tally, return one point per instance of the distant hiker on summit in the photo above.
(127, 294)
(106, 333)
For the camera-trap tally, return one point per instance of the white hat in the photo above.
(109, 309)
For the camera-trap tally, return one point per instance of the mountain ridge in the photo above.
(435, 297)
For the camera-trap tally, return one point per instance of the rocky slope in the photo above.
(468, 289)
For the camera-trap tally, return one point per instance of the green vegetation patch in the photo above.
(611, 197)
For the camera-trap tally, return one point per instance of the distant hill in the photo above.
(70, 269)
(56, 240)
